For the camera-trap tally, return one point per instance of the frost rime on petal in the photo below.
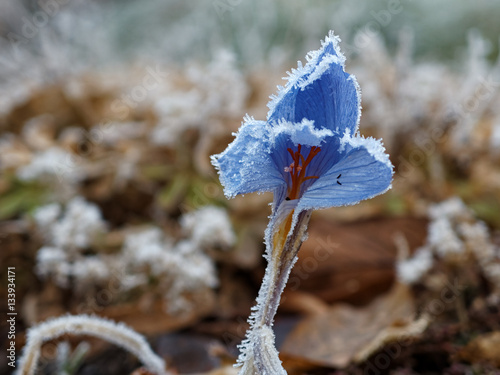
(303, 133)
(245, 166)
(320, 91)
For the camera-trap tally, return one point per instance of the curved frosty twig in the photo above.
(118, 334)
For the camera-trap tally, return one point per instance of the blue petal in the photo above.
(246, 166)
(321, 91)
(364, 170)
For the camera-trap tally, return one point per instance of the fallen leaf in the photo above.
(152, 318)
(345, 334)
(352, 262)
(304, 303)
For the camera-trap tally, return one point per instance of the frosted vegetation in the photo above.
(148, 259)
(106, 137)
(458, 240)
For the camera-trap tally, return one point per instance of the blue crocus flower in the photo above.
(309, 149)
(310, 155)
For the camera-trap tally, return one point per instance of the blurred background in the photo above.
(109, 111)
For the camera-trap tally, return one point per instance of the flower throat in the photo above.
(297, 170)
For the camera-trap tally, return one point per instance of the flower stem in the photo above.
(280, 267)
(259, 356)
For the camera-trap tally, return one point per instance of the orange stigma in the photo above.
(297, 170)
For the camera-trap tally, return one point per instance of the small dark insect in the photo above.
(287, 198)
(338, 182)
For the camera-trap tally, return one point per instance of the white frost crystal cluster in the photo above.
(147, 256)
(426, 92)
(67, 234)
(444, 236)
(209, 227)
(456, 237)
(411, 270)
(210, 95)
(76, 228)
(178, 268)
(52, 163)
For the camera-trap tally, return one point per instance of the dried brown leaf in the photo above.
(345, 334)
(352, 262)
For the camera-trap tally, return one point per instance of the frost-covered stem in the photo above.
(118, 334)
(279, 269)
(258, 352)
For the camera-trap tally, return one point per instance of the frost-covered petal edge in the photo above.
(296, 76)
(320, 63)
(365, 172)
(245, 166)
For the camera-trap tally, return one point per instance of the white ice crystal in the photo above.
(75, 228)
(412, 270)
(47, 215)
(53, 262)
(269, 356)
(176, 115)
(148, 254)
(179, 268)
(116, 132)
(213, 94)
(452, 208)
(85, 271)
(456, 236)
(79, 225)
(426, 92)
(51, 163)
(91, 270)
(209, 227)
(477, 238)
(149, 248)
(197, 266)
(67, 233)
(443, 238)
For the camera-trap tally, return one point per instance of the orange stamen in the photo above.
(297, 169)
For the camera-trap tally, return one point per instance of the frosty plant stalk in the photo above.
(310, 154)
